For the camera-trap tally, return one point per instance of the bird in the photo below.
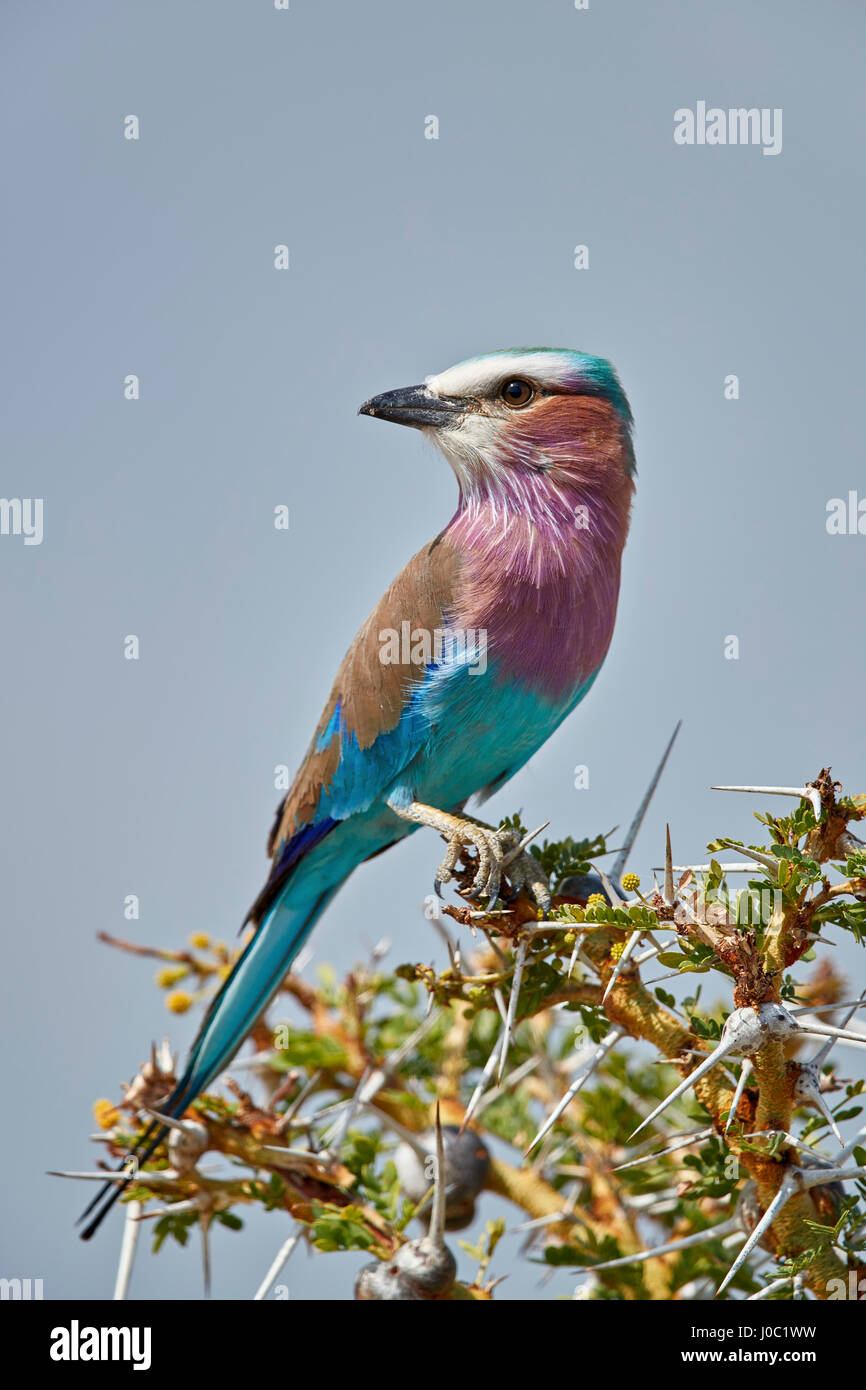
(486, 640)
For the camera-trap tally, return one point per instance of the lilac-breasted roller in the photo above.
(483, 644)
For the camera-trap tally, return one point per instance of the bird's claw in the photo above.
(494, 849)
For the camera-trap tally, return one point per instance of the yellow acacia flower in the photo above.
(170, 975)
(178, 1002)
(105, 1114)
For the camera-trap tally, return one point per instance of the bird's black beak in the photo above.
(415, 405)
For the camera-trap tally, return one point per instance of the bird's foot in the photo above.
(523, 870)
(499, 853)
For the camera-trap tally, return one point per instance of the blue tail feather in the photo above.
(243, 996)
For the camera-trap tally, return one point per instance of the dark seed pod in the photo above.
(423, 1268)
(583, 886)
(467, 1161)
(430, 1266)
(384, 1282)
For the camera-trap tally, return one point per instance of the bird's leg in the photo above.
(494, 847)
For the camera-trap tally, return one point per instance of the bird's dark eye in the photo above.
(517, 393)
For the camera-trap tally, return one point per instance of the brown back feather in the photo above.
(372, 693)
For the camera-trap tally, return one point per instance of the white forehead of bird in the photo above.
(483, 376)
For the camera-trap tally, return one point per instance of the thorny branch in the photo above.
(523, 1041)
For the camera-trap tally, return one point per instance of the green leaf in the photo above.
(300, 1049)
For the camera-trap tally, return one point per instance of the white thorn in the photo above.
(180, 1126)
(648, 954)
(669, 869)
(824, 1030)
(801, 792)
(332, 1108)
(705, 868)
(337, 1133)
(408, 1136)
(166, 1060)
(807, 1091)
(852, 1144)
(634, 829)
(489, 1068)
(157, 1178)
(765, 860)
(609, 1041)
(718, 1054)
(795, 1180)
(204, 1223)
(511, 1080)
(786, 1190)
(738, 1093)
(437, 1213)
(622, 962)
(294, 1157)
(285, 1121)
(127, 1250)
(794, 1142)
(548, 1220)
(377, 1078)
(277, 1267)
(814, 796)
(189, 1204)
(519, 960)
(769, 1288)
(819, 1101)
(499, 999)
(818, 1176)
(725, 1228)
(744, 1032)
(612, 895)
(823, 1053)
(852, 1004)
(685, 1141)
(849, 1037)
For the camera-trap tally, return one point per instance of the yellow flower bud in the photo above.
(630, 882)
(170, 975)
(178, 1002)
(105, 1114)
